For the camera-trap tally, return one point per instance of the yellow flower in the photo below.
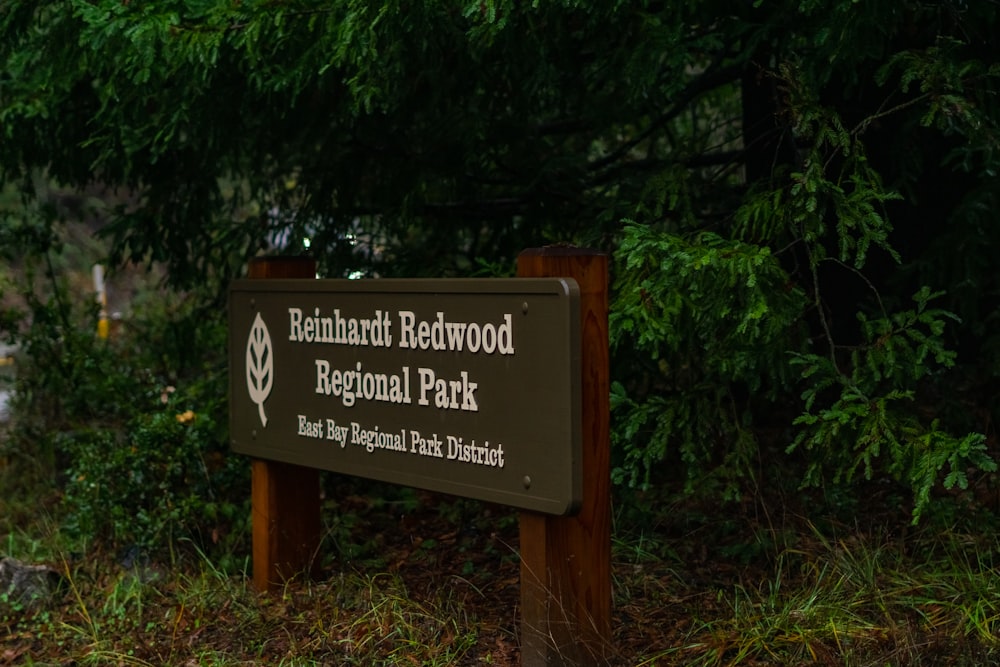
(186, 417)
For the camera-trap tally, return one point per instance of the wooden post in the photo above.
(566, 561)
(285, 497)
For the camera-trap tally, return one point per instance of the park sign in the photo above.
(469, 387)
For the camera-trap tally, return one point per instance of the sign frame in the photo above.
(541, 473)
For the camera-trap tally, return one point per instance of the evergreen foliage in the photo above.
(777, 181)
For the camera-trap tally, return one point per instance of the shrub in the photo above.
(166, 476)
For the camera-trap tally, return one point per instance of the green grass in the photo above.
(200, 616)
(690, 589)
(846, 598)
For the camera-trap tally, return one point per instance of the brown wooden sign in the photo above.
(470, 387)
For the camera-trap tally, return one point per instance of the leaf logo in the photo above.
(260, 365)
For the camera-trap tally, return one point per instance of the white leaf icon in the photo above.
(259, 365)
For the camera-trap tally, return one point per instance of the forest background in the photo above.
(800, 201)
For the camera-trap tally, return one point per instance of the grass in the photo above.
(840, 597)
(414, 580)
(435, 583)
(200, 616)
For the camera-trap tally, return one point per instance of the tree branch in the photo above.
(708, 81)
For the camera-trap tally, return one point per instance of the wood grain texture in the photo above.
(566, 561)
(285, 500)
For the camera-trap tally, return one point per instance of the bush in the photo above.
(716, 329)
(142, 463)
(166, 476)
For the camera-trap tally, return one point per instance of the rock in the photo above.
(26, 586)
